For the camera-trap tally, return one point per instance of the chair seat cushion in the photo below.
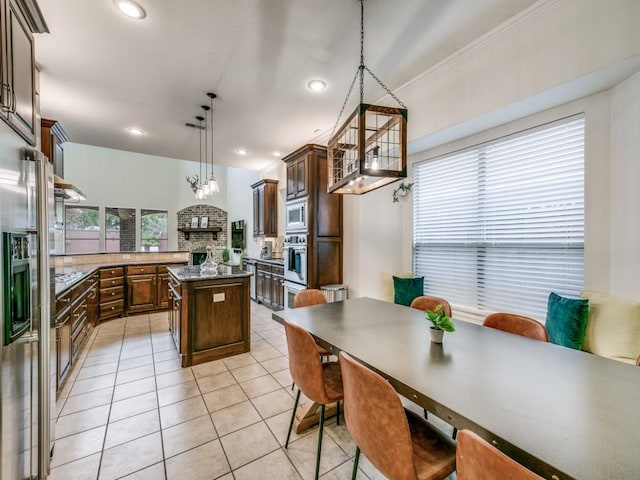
(613, 330)
(332, 377)
(434, 454)
(567, 320)
(406, 289)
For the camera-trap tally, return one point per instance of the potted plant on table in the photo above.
(441, 323)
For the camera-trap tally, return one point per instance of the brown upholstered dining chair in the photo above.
(307, 298)
(320, 382)
(426, 302)
(638, 361)
(477, 459)
(517, 324)
(399, 443)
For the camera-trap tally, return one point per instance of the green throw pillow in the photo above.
(567, 320)
(406, 289)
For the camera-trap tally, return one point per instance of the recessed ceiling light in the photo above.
(275, 154)
(317, 130)
(241, 151)
(135, 131)
(316, 85)
(130, 9)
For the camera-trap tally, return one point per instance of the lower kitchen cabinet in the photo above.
(174, 292)
(141, 287)
(75, 316)
(111, 292)
(270, 285)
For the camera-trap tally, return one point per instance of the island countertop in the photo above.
(193, 273)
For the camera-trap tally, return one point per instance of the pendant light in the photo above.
(370, 148)
(199, 190)
(204, 183)
(212, 183)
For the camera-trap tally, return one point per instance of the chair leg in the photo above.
(293, 385)
(321, 427)
(356, 459)
(293, 416)
(426, 414)
(338, 412)
(455, 433)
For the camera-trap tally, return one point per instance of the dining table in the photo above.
(562, 413)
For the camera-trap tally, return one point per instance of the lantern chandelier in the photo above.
(370, 148)
(204, 186)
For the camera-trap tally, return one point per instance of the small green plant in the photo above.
(439, 320)
(225, 255)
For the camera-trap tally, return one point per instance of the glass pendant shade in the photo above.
(369, 150)
(213, 184)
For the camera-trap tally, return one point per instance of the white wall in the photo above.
(625, 188)
(559, 51)
(115, 178)
(240, 203)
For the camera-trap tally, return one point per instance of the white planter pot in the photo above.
(436, 335)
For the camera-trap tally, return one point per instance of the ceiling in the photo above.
(102, 72)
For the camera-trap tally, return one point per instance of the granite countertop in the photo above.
(192, 274)
(67, 277)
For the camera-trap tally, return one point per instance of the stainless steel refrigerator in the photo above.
(27, 373)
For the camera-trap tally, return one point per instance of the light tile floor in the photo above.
(128, 410)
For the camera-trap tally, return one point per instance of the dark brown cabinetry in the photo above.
(111, 292)
(210, 318)
(270, 285)
(175, 310)
(265, 208)
(19, 19)
(297, 177)
(142, 288)
(53, 138)
(307, 175)
(74, 318)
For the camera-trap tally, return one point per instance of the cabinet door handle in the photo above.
(14, 102)
(113, 282)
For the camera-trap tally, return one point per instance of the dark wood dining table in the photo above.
(563, 413)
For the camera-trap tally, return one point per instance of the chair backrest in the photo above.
(376, 420)
(638, 361)
(477, 459)
(517, 324)
(426, 302)
(306, 298)
(304, 363)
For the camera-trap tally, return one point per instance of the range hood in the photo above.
(67, 191)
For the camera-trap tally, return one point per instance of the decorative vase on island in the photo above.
(209, 266)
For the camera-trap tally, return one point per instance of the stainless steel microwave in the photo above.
(297, 216)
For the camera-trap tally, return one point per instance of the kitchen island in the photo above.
(209, 313)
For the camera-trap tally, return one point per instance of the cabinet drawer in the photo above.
(63, 302)
(78, 315)
(111, 282)
(141, 270)
(264, 267)
(111, 294)
(278, 271)
(111, 308)
(111, 272)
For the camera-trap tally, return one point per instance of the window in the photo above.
(82, 229)
(120, 229)
(500, 225)
(154, 230)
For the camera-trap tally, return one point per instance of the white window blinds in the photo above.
(501, 225)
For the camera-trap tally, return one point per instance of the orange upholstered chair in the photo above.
(425, 302)
(320, 382)
(476, 459)
(399, 443)
(517, 324)
(307, 298)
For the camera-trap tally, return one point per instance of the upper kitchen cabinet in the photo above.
(265, 208)
(20, 20)
(297, 177)
(53, 138)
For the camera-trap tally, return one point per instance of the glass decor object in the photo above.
(369, 151)
(370, 148)
(209, 266)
